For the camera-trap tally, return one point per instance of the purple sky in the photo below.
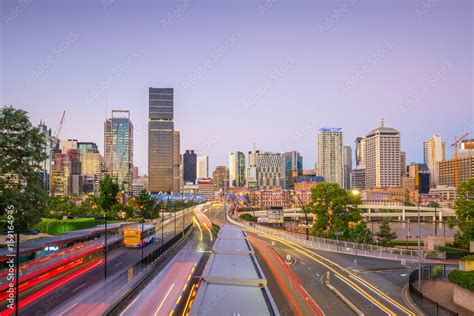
(271, 72)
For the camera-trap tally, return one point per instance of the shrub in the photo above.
(464, 279)
(58, 227)
(468, 258)
(248, 217)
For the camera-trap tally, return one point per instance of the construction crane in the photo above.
(53, 144)
(455, 144)
(58, 132)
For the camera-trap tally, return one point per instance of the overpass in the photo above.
(401, 212)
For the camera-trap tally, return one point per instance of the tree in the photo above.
(361, 234)
(90, 206)
(385, 234)
(464, 207)
(146, 206)
(60, 206)
(336, 211)
(22, 149)
(108, 190)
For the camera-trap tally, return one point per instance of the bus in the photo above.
(133, 237)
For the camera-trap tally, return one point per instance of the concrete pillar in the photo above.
(440, 216)
(403, 214)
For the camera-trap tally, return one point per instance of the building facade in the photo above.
(160, 139)
(177, 161)
(447, 171)
(330, 155)
(292, 161)
(189, 166)
(421, 177)
(358, 178)
(433, 153)
(236, 169)
(202, 167)
(220, 176)
(383, 158)
(269, 170)
(347, 161)
(360, 151)
(251, 171)
(118, 140)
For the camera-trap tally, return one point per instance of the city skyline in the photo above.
(379, 80)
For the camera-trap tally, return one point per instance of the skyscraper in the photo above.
(269, 170)
(330, 155)
(360, 151)
(46, 165)
(347, 161)
(118, 140)
(219, 176)
(236, 169)
(292, 161)
(177, 161)
(189, 166)
(202, 167)
(403, 163)
(160, 139)
(383, 158)
(251, 171)
(434, 152)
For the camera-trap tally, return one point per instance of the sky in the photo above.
(268, 72)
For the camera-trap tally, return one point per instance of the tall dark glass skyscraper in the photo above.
(160, 140)
(189, 166)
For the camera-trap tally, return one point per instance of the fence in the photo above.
(340, 246)
(427, 305)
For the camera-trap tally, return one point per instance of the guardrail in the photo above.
(427, 305)
(340, 246)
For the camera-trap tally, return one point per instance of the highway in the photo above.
(298, 279)
(53, 291)
(166, 290)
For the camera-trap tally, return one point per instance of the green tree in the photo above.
(22, 149)
(464, 207)
(385, 234)
(108, 190)
(361, 234)
(336, 211)
(90, 206)
(60, 206)
(146, 206)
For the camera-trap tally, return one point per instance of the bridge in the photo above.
(401, 212)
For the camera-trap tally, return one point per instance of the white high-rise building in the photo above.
(269, 171)
(236, 169)
(251, 172)
(434, 152)
(202, 167)
(383, 158)
(330, 155)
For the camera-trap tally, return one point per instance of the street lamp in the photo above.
(105, 244)
(305, 215)
(417, 201)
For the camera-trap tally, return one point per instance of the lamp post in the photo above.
(141, 233)
(105, 245)
(417, 201)
(305, 215)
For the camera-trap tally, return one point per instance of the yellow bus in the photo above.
(133, 237)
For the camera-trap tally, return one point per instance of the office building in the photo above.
(87, 147)
(403, 164)
(189, 166)
(202, 167)
(382, 158)
(160, 139)
(330, 155)
(177, 161)
(236, 169)
(65, 173)
(251, 173)
(220, 176)
(347, 161)
(465, 166)
(358, 178)
(269, 170)
(292, 161)
(466, 148)
(360, 151)
(49, 143)
(118, 140)
(434, 152)
(206, 188)
(65, 145)
(421, 177)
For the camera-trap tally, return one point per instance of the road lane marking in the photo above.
(77, 288)
(118, 264)
(164, 299)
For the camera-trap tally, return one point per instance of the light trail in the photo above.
(164, 299)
